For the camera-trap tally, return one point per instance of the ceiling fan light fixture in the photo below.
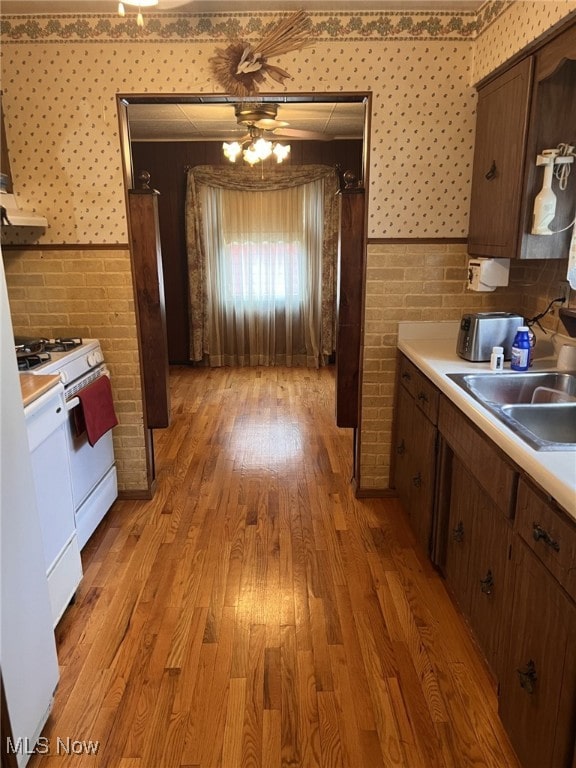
(251, 156)
(263, 148)
(254, 147)
(281, 151)
(232, 150)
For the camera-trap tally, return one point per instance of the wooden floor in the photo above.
(254, 613)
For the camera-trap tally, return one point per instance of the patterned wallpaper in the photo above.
(60, 76)
(522, 24)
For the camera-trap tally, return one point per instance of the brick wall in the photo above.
(427, 282)
(87, 293)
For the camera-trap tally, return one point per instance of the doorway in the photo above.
(167, 135)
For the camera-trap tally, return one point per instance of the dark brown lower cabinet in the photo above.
(476, 566)
(538, 685)
(508, 553)
(460, 536)
(415, 465)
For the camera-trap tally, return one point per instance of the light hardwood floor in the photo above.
(255, 613)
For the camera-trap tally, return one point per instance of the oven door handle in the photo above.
(72, 403)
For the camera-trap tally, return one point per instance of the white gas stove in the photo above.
(70, 358)
(78, 362)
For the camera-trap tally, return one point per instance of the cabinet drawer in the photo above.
(479, 455)
(550, 535)
(423, 391)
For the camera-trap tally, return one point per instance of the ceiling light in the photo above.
(263, 148)
(251, 156)
(139, 4)
(281, 151)
(255, 148)
(232, 151)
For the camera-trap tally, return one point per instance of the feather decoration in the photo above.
(242, 67)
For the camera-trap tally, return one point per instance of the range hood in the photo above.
(13, 215)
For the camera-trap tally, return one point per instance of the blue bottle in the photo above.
(520, 355)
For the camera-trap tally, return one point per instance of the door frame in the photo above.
(124, 100)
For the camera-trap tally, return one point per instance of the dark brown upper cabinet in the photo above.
(501, 127)
(527, 108)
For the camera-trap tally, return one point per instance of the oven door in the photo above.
(88, 464)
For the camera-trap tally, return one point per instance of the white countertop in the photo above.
(432, 348)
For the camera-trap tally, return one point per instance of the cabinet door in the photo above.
(415, 465)
(422, 479)
(402, 447)
(538, 688)
(464, 510)
(552, 118)
(476, 562)
(490, 599)
(501, 129)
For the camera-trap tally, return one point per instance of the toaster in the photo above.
(480, 331)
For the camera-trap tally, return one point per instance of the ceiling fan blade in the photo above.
(296, 133)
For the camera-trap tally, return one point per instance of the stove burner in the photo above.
(26, 346)
(29, 362)
(61, 345)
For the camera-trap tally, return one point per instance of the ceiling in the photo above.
(217, 122)
(254, 6)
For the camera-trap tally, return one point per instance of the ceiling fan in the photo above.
(264, 118)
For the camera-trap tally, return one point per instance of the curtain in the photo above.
(262, 263)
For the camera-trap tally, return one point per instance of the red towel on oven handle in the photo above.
(95, 414)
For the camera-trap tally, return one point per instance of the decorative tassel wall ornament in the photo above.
(242, 67)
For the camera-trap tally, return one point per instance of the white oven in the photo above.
(46, 423)
(92, 467)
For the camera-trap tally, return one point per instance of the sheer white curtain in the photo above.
(263, 274)
(208, 228)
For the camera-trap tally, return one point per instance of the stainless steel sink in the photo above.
(508, 388)
(542, 425)
(539, 407)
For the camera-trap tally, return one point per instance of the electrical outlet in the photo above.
(564, 291)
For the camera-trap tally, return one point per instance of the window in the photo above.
(260, 272)
(261, 254)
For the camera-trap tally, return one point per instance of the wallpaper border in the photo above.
(216, 27)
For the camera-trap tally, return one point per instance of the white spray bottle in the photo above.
(545, 202)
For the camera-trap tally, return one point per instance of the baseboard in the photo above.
(375, 493)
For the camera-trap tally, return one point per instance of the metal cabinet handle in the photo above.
(401, 448)
(528, 677)
(406, 375)
(540, 534)
(458, 532)
(423, 397)
(491, 174)
(487, 583)
(417, 480)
